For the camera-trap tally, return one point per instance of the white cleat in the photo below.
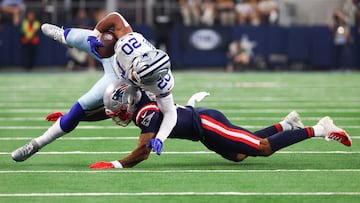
(334, 133)
(294, 120)
(54, 32)
(25, 152)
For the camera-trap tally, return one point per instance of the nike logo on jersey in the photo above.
(146, 119)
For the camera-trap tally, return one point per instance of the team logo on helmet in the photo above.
(150, 67)
(116, 103)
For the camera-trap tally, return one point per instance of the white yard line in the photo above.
(188, 153)
(96, 138)
(184, 171)
(320, 110)
(79, 127)
(235, 118)
(131, 127)
(181, 194)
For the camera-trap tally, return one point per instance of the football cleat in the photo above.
(294, 120)
(334, 133)
(54, 32)
(26, 151)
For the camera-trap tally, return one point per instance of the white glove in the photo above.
(197, 97)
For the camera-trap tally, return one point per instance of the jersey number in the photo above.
(162, 84)
(129, 47)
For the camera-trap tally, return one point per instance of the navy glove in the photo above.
(156, 144)
(93, 44)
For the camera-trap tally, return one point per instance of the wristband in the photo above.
(117, 164)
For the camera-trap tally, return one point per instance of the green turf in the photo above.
(310, 171)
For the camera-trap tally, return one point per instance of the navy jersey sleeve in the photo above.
(147, 119)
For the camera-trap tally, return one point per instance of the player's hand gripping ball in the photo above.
(109, 40)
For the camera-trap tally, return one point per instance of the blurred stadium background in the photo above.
(275, 34)
(278, 43)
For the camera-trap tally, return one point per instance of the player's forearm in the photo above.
(168, 109)
(116, 21)
(95, 115)
(138, 155)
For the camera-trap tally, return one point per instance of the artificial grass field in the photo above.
(311, 171)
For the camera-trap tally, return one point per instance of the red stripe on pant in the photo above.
(230, 133)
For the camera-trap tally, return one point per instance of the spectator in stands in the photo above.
(190, 11)
(77, 57)
(225, 12)
(247, 12)
(240, 54)
(12, 8)
(357, 31)
(30, 39)
(208, 12)
(268, 11)
(48, 9)
(341, 38)
(163, 23)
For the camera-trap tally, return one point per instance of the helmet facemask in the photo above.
(122, 116)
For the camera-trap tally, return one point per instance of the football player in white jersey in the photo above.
(136, 60)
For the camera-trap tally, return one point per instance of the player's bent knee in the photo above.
(265, 148)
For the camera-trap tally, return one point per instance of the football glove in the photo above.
(93, 44)
(156, 144)
(102, 164)
(54, 116)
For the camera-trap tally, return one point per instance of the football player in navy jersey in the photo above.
(136, 61)
(209, 126)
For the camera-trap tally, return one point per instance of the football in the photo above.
(109, 40)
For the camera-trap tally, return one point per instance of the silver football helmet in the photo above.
(149, 67)
(116, 102)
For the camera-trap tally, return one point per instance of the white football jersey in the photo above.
(126, 49)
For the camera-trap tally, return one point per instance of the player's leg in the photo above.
(65, 124)
(291, 122)
(73, 37)
(325, 128)
(226, 139)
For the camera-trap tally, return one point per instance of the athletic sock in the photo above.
(287, 138)
(50, 135)
(319, 131)
(285, 126)
(63, 125)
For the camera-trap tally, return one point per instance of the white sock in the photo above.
(285, 126)
(51, 134)
(319, 131)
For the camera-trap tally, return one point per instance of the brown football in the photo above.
(109, 40)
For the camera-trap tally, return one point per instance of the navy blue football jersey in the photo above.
(209, 126)
(148, 118)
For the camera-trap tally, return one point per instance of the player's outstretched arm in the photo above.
(116, 21)
(93, 115)
(138, 155)
(168, 109)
